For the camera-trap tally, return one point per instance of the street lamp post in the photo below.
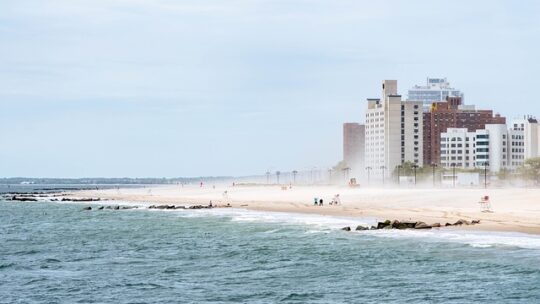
(453, 174)
(346, 171)
(398, 174)
(294, 176)
(415, 167)
(368, 173)
(277, 176)
(382, 168)
(486, 164)
(433, 166)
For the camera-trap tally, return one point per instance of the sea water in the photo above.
(59, 253)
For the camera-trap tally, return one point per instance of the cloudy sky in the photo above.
(167, 88)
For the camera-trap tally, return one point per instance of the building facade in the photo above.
(393, 131)
(452, 114)
(495, 147)
(354, 147)
(435, 90)
(531, 134)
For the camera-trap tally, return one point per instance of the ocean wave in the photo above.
(477, 239)
(323, 223)
(318, 223)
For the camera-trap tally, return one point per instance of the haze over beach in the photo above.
(162, 151)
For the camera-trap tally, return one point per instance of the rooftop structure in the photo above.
(436, 89)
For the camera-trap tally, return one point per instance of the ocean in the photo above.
(59, 253)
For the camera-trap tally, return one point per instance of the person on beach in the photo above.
(336, 200)
(321, 202)
(315, 201)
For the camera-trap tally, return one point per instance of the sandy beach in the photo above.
(515, 210)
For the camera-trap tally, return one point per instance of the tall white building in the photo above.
(531, 134)
(435, 90)
(393, 131)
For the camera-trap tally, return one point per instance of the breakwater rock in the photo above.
(159, 207)
(181, 207)
(395, 224)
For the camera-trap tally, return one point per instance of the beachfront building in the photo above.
(495, 147)
(435, 90)
(353, 147)
(531, 135)
(393, 131)
(470, 150)
(458, 148)
(452, 114)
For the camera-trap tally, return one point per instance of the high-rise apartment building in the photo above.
(353, 146)
(436, 89)
(452, 114)
(393, 131)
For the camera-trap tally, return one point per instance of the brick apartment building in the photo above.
(452, 114)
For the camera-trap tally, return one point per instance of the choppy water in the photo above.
(57, 253)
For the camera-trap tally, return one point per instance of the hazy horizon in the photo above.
(179, 88)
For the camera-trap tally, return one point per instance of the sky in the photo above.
(162, 88)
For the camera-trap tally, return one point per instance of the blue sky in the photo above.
(188, 88)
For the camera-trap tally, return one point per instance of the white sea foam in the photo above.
(323, 223)
(478, 239)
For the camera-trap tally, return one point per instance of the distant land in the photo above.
(109, 181)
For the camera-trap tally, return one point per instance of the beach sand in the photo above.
(515, 210)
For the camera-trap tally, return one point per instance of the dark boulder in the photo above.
(474, 222)
(405, 225)
(361, 228)
(385, 224)
(87, 208)
(422, 225)
(462, 222)
(116, 208)
(346, 228)
(23, 199)
(436, 225)
(101, 208)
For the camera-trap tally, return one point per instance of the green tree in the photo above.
(531, 169)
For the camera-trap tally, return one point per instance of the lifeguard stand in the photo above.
(485, 204)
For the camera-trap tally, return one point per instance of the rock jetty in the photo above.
(395, 224)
